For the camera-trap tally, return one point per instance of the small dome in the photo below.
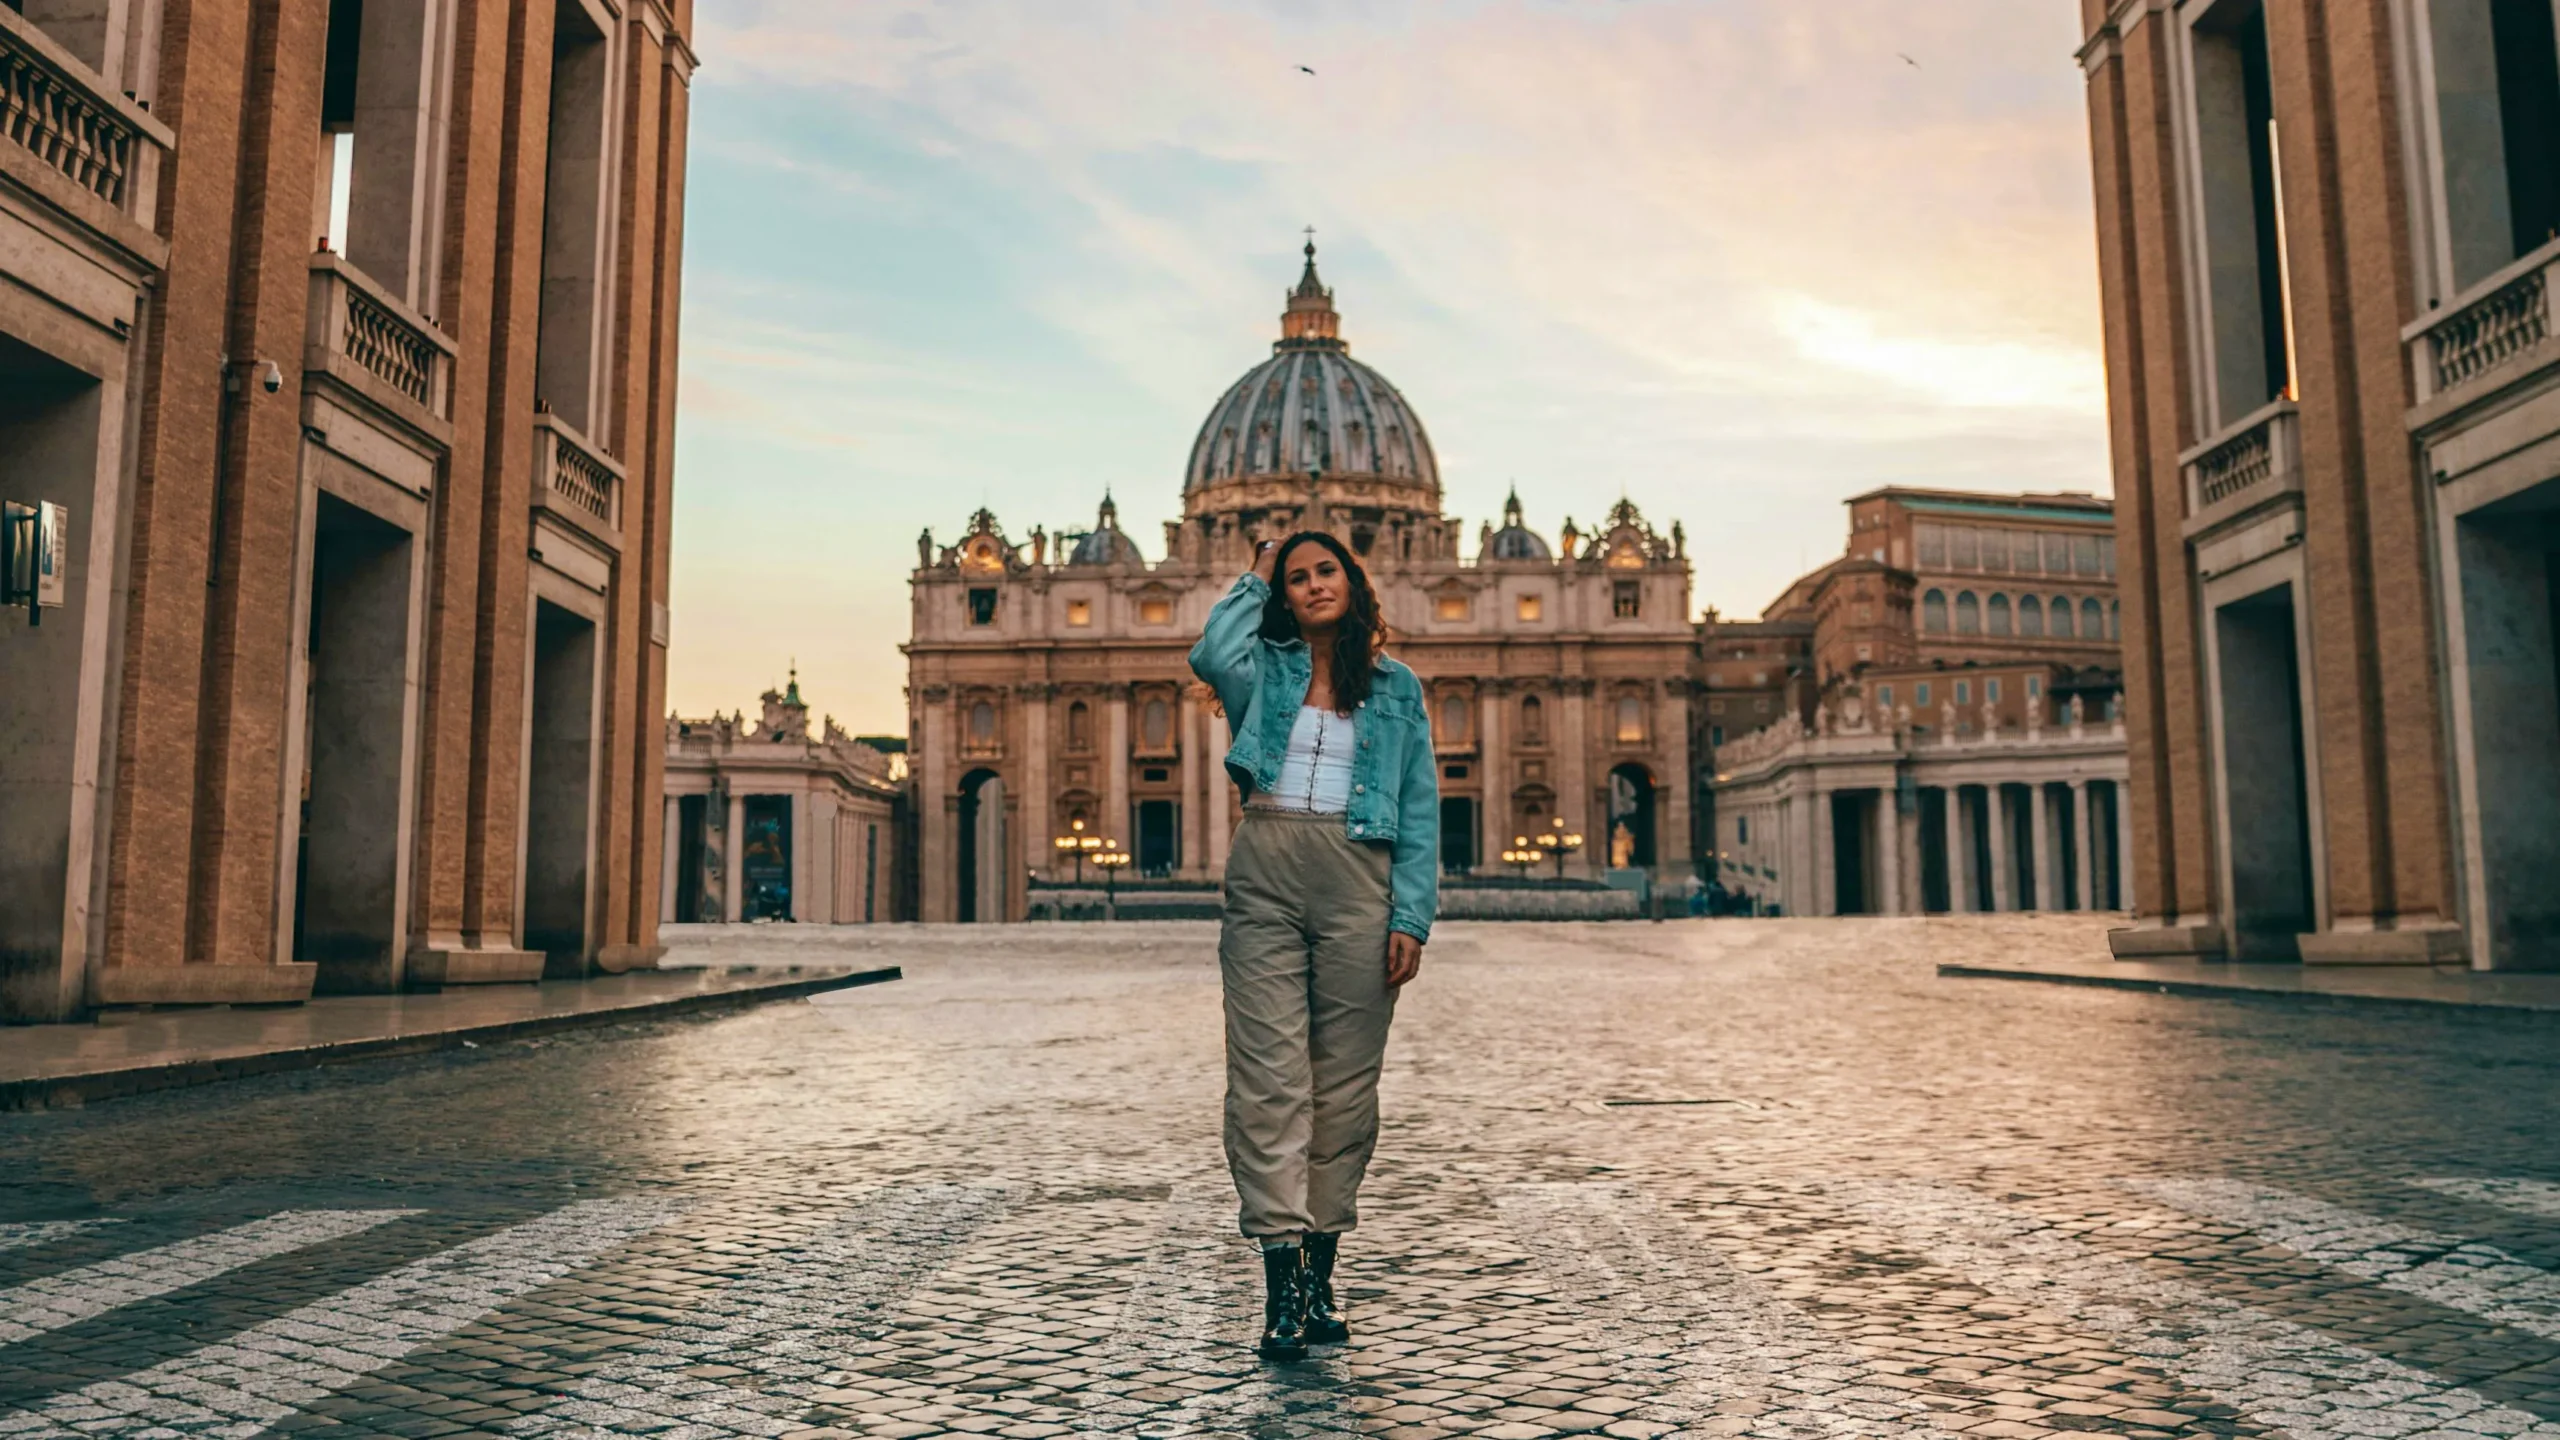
(1106, 544)
(1311, 407)
(1515, 541)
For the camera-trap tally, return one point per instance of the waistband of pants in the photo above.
(1274, 812)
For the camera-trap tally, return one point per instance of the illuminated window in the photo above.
(1451, 607)
(1630, 720)
(1079, 612)
(1531, 607)
(982, 724)
(1155, 612)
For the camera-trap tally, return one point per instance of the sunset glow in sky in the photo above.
(1735, 259)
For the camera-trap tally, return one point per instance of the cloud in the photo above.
(1737, 260)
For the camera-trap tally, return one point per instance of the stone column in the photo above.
(1573, 779)
(673, 830)
(1798, 869)
(1958, 900)
(2047, 880)
(733, 848)
(1217, 787)
(1493, 823)
(1186, 732)
(1826, 878)
(806, 854)
(1038, 827)
(2004, 859)
(937, 864)
(1116, 820)
(1887, 833)
(2085, 861)
(1674, 848)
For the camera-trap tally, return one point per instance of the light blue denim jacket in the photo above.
(1395, 779)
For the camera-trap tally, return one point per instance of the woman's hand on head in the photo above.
(1266, 553)
(1404, 958)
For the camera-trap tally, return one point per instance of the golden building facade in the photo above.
(1048, 681)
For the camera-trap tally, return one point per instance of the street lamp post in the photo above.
(1522, 855)
(1077, 843)
(1111, 858)
(1557, 845)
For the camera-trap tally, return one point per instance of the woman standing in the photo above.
(1330, 892)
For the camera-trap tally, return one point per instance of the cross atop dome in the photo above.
(1310, 322)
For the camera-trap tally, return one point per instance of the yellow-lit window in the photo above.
(1079, 612)
(1630, 720)
(1452, 607)
(1532, 607)
(1155, 612)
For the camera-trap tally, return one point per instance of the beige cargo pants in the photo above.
(1303, 954)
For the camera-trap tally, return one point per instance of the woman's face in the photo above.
(1317, 590)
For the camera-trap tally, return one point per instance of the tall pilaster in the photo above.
(1117, 824)
(1493, 819)
(1188, 735)
(1959, 864)
(1213, 751)
(2124, 847)
(1826, 858)
(1037, 829)
(1574, 797)
(674, 808)
(2048, 874)
(937, 863)
(733, 861)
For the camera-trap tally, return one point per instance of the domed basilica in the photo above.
(1050, 698)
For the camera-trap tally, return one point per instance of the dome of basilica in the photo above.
(1312, 407)
(1514, 541)
(1105, 543)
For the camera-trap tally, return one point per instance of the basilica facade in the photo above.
(1050, 696)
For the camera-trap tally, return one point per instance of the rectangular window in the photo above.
(1715, 734)
(2057, 554)
(1995, 551)
(2107, 556)
(1627, 600)
(1451, 607)
(2026, 553)
(2498, 121)
(1155, 612)
(1884, 697)
(1715, 707)
(2247, 327)
(1530, 608)
(1933, 545)
(2035, 686)
(1991, 689)
(1080, 613)
(1760, 706)
(1964, 692)
(1742, 830)
(982, 606)
(1920, 695)
(1964, 548)
(2084, 555)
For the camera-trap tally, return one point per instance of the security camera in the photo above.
(272, 377)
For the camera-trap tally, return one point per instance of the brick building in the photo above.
(1929, 722)
(337, 356)
(2327, 234)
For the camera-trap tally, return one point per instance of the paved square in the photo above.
(1702, 1178)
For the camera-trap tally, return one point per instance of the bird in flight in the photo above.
(1309, 71)
(1907, 60)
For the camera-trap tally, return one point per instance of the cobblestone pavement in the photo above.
(1705, 1178)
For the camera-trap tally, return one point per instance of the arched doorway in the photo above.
(981, 847)
(1631, 818)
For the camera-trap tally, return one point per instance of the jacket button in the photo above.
(1359, 789)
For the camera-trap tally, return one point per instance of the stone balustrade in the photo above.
(54, 109)
(577, 481)
(361, 334)
(2247, 464)
(2507, 320)
(1836, 739)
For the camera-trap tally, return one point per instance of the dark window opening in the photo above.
(2529, 117)
(2258, 103)
(982, 607)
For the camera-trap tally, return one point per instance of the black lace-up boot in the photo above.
(1284, 1316)
(1324, 1322)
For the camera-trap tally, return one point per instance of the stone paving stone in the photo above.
(2376, 1187)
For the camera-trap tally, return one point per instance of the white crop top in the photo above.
(1315, 774)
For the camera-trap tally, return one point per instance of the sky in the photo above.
(1735, 260)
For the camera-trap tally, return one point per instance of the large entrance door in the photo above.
(2509, 555)
(980, 843)
(560, 790)
(1159, 837)
(764, 858)
(1631, 818)
(1457, 834)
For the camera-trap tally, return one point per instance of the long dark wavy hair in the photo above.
(1357, 641)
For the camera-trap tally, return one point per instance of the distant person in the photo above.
(1330, 893)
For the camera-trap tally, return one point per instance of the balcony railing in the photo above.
(2507, 319)
(576, 481)
(53, 108)
(356, 327)
(2253, 460)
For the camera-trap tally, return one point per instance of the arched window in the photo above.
(1155, 724)
(1968, 614)
(1079, 726)
(2093, 619)
(1533, 721)
(1453, 719)
(2030, 615)
(1630, 720)
(982, 723)
(1999, 615)
(2062, 616)
(1933, 612)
